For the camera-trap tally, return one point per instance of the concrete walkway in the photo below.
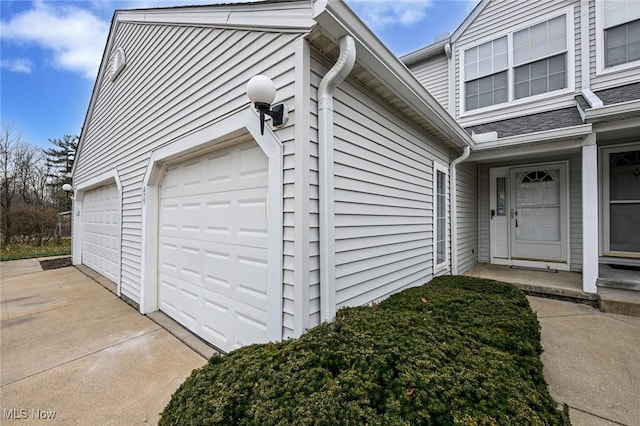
(70, 349)
(591, 362)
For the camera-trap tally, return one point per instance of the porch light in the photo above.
(262, 91)
(67, 188)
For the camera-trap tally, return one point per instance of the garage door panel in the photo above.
(239, 323)
(213, 245)
(221, 268)
(101, 231)
(233, 218)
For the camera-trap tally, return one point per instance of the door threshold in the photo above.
(538, 265)
(535, 269)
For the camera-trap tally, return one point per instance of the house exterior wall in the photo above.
(383, 196)
(178, 79)
(500, 18)
(467, 215)
(434, 75)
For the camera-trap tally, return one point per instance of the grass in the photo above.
(456, 351)
(26, 251)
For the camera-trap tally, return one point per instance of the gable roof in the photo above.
(438, 47)
(394, 81)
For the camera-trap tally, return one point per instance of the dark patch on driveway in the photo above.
(61, 262)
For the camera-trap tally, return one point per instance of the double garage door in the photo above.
(212, 236)
(101, 231)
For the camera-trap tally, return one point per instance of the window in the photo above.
(532, 74)
(527, 62)
(621, 27)
(485, 74)
(622, 44)
(440, 217)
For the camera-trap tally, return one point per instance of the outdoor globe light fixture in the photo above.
(262, 92)
(67, 188)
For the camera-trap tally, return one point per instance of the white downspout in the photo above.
(454, 208)
(585, 60)
(327, 87)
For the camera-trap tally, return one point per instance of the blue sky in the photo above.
(50, 51)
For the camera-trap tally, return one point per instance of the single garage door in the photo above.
(101, 231)
(212, 268)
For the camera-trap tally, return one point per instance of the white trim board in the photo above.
(221, 133)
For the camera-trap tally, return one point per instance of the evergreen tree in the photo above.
(60, 162)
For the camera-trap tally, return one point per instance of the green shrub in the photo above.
(457, 351)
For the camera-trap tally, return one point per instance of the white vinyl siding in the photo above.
(177, 79)
(383, 197)
(467, 215)
(434, 76)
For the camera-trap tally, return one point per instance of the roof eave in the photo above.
(339, 20)
(609, 112)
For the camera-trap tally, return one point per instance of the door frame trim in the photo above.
(562, 266)
(221, 133)
(605, 229)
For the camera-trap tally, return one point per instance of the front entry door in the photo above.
(529, 223)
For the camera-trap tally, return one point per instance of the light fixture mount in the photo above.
(262, 91)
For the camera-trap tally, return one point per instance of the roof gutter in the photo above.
(326, 89)
(454, 207)
(436, 49)
(608, 112)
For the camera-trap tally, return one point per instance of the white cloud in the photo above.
(22, 65)
(380, 14)
(74, 36)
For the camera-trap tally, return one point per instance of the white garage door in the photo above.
(101, 231)
(212, 269)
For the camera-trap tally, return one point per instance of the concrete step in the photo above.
(559, 293)
(619, 301)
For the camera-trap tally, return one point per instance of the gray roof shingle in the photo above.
(548, 120)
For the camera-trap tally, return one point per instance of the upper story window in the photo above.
(620, 20)
(539, 57)
(486, 74)
(527, 62)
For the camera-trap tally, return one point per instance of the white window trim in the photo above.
(438, 167)
(600, 68)
(605, 249)
(569, 52)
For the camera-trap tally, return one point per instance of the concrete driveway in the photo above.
(70, 347)
(73, 352)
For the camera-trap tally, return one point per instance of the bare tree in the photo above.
(13, 152)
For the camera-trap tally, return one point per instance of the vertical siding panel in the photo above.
(177, 80)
